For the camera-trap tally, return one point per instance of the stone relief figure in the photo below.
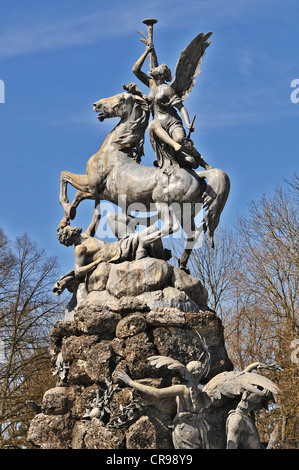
(255, 391)
(190, 429)
(241, 431)
(167, 126)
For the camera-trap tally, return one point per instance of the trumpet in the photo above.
(150, 24)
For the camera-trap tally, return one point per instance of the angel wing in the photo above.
(172, 364)
(188, 65)
(232, 384)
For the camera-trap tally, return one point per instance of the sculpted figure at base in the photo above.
(193, 398)
(90, 251)
(190, 429)
(255, 391)
(241, 430)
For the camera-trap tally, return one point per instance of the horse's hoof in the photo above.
(64, 222)
(167, 254)
(185, 269)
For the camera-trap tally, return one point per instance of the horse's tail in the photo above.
(214, 199)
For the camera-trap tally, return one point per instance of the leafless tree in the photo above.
(265, 319)
(252, 280)
(214, 267)
(27, 311)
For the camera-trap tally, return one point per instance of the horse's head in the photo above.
(122, 104)
(116, 106)
(133, 109)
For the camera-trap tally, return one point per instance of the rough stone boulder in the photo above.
(148, 275)
(136, 277)
(129, 312)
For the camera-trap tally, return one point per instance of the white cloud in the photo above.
(37, 35)
(42, 36)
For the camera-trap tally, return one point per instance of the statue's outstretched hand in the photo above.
(191, 127)
(121, 375)
(149, 47)
(143, 39)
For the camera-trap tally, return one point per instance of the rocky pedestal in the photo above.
(123, 314)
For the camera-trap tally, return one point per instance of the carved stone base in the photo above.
(128, 313)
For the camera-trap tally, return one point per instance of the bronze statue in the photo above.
(114, 174)
(166, 126)
(172, 188)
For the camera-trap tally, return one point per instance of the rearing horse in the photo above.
(113, 175)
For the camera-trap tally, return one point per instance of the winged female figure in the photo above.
(167, 134)
(190, 429)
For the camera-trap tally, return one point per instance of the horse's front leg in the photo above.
(63, 199)
(79, 182)
(79, 197)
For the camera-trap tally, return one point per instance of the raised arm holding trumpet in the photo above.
(167, 126)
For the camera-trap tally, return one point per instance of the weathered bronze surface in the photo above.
(173, 188)
(132, 312)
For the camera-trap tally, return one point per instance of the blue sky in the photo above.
(58, 57)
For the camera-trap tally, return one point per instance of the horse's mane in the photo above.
(134, 135)
(135, 132)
